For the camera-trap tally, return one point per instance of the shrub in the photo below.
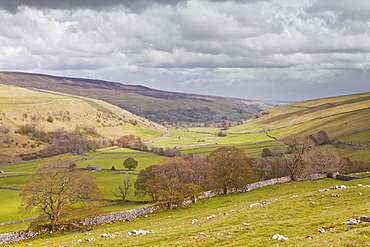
(222, 133)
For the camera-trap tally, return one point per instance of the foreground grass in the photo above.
(295, 210)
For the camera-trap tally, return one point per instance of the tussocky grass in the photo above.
(295, 210)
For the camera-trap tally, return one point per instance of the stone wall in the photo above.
(138, 212)
(349, 178)
(13, 237)
(124, 215)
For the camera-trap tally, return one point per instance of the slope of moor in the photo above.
(156, 105)
(346, 119)
(50, 111)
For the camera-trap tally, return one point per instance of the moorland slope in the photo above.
(156, 105)
(346, 119)
(49, 111)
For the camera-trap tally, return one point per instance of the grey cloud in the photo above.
(12, 5)
(217, 47)
(344, 9)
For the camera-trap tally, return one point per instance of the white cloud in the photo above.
(192, 45)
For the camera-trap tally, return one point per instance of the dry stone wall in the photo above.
(13, 237)
(124, 215)
(138, 212)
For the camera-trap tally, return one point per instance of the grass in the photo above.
(107, 180)
(341, 117)
(290, 212)
(292, 217)
(107, 163)
(146, 101)
(21, 106)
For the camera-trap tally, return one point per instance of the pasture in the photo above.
(296, 210)
(346, 122)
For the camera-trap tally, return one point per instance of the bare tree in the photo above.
(231, 168)
(323, 138)
(297, 146)
(323, 159)
(124, 189)
(61, 192)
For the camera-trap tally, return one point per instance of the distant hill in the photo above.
(48, 111)
(158, 106)
(346, 119)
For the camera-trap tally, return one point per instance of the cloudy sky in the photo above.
(252, 49)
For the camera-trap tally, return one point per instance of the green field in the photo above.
(106, 180)
(295, 210)
(347, 121)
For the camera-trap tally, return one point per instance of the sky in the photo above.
(251, 49)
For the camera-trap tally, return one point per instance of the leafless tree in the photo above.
(124, 189)
(323, 159)
(297, 146)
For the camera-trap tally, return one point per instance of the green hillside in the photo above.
(295, 210)
(158, 106)
(346, 119)
(49, 111)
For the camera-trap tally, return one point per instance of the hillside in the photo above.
(346, 119)
(49, 111)
(295, 210)
(158, 106)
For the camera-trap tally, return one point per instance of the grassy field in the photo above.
(295, 210)
(106, 180)
(346, 119)
(49, 111)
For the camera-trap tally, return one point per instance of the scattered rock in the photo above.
(138, 232)
(352, 222)
(210, 217)
(255, 204)
(194, 221)
(91, 239)
(245, 224)
(323, 190)
(360, 193)
(337, 187)
(107, 235)
(321, 230)
(335, 195)
(365, 218)
(279, 237)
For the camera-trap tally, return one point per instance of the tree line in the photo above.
(82, 139)
(174, 179)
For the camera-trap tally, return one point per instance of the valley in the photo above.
(345, 119)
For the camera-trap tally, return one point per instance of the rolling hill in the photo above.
(296, 209)
(346, 119)
(49, 111)
(158, 106)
